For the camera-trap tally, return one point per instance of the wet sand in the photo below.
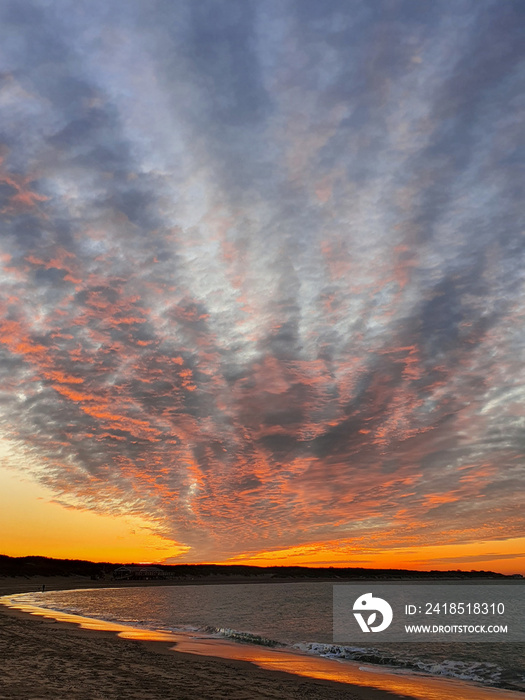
(48, 657)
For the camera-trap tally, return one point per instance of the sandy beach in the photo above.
(43, 657)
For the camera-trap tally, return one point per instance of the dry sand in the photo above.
(41, 658)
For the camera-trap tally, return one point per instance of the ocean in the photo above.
(292, 616)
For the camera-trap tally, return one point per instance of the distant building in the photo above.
(135, 572)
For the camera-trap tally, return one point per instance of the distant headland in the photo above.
(30, 566)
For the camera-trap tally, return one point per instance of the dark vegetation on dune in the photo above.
(45, 566)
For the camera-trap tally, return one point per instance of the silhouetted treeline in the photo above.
(45, 566)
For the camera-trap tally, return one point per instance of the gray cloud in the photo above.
(262, 266)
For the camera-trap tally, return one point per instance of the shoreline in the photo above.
(265, 669)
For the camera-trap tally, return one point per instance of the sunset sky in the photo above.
(262, 281)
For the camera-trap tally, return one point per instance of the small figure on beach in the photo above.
(43, 588)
